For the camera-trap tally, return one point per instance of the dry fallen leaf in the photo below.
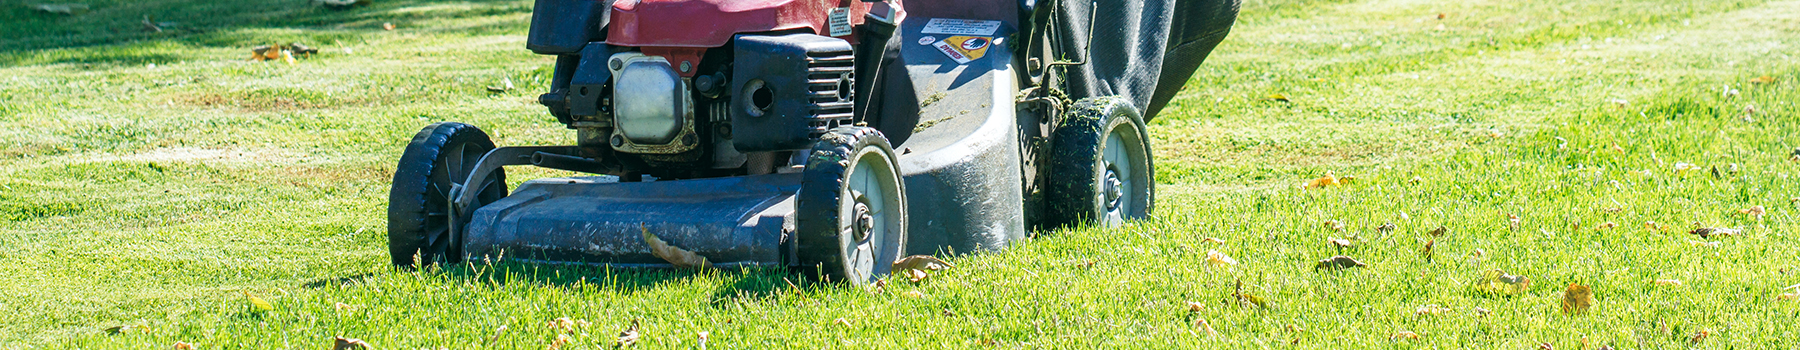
(342, 343)
(1213, 240)
(1247, 298)
(1709, 232)
(561, 339)
(1666, 282)
(1338, 262)
(181, 345)
(341, 307)
(387, 26)
(676, 256)
(1651, 225)
(1607, 225)
(918, 267)
(841, 322)
(1763, 80)
(1756, 211)
(1500, 283)
(1699, 335)
(1480, 311)
(1440, 231)
(122, 329)
(1195, 306)
(628, 337)
(1219, 259)
(1512, 222)
(1403, 335)
(1334, 225)
(1205, 327)
(1431, 310)
(1339, 242)
(1788, 296)
(1385, 227)
(505, 85)
(1577, 299)
(67, 9)
(1426, 252)
(1322, 182)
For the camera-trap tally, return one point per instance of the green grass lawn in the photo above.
(154, 180)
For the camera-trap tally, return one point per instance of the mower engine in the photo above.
(734, 97)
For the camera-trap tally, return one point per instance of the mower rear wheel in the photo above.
(1100, 165)
(419, 221)
(851, 210)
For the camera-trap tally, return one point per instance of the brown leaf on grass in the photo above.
(1205, 328)
(1426, 252)
(1763, 80)
(1577, 299)
(1607, 225)
(181, 345)
(387, 26)
(1247, 298)
(1652, 225)
(627, 337)
(1338, 263)
(841, 322)
(1430, 310)
(1194, 306)
(1710, 232)
(1699, 335)
(1755, 211)
(1498, 282)
(505, 85)
(561, 339)
(1328, 180)
(676, 256)
(1385, 227)
(1512, 222)
(919, 267)
(1213, 240)
(342, 343)
(1339, 242)
(1439, 232)
(1788, 296)
(1545, 346)
(1480, 311)
(1334, 225)
(1403, 335)
(1795, 156)
(702, 337)
(1216, 258)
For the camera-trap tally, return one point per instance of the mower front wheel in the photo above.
(1100, 169)
(419, 221)
(851, 210)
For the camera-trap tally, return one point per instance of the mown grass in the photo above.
(159, 196)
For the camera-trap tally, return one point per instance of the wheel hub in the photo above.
(1111, 189)
(864, 223)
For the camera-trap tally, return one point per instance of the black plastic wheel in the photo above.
(441, 155)
(851, 210)
(1100, 166)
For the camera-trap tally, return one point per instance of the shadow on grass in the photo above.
(114, 31)
(732, 284)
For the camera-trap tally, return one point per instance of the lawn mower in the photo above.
(830, 137)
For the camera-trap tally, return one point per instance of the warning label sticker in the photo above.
(840, 21)
(961, 27)
(964, 49)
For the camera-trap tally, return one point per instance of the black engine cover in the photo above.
(787, 90)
